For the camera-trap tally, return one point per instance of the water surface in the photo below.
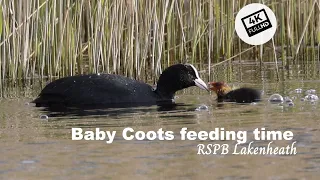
(35, 148)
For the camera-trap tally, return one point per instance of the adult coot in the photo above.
(241, 95)
(109, 90)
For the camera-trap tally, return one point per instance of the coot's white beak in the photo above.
(201, 84)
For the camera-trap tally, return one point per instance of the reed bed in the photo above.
(139, 38)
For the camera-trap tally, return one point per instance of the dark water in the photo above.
(35, 148)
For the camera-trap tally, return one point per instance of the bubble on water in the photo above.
(202, 108)
(312, 91)
(307, 92)
(311, 97)
(298, 91)
(290, 104)
(276, 98)
(44, 117)
(287, 100)
(27, 162)
(313, 102)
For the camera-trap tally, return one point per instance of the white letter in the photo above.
(202, 135)
(160, 134)
(88, 135)
(111, 136)
(242, 136)
(169, 135)
(192, 135)
(77, 134)
(183, 133)
(140, 135)
(209, 150)
(124, 134)
(98, 133)
(287, 135)
(256, 133)
(216, 147)
(235, 149)
(151, 135)
(225, 149)
(200, 148)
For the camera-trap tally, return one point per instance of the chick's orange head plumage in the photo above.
(220, 88)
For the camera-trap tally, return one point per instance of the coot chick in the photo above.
(109, 90)
(241, 95)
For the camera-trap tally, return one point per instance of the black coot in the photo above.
(241, 95)
(109, 90)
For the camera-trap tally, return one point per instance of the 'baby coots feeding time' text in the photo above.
(109, 90)
(241, 95)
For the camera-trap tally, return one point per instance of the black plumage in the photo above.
(241, 95)
(109, 90)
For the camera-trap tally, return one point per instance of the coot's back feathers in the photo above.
(111, 90)
(95, 89)
(241, 95)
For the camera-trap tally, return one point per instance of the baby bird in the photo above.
(241, 95)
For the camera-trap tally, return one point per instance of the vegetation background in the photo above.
(138, 38)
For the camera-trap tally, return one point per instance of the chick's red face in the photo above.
(216, 86)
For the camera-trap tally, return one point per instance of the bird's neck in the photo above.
(165, 92)
(222, 92)
(166, 86)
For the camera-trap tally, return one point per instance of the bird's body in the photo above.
(111, 90)
(241, 95)
(101, 89)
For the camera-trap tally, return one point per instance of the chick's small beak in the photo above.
(201, 84)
